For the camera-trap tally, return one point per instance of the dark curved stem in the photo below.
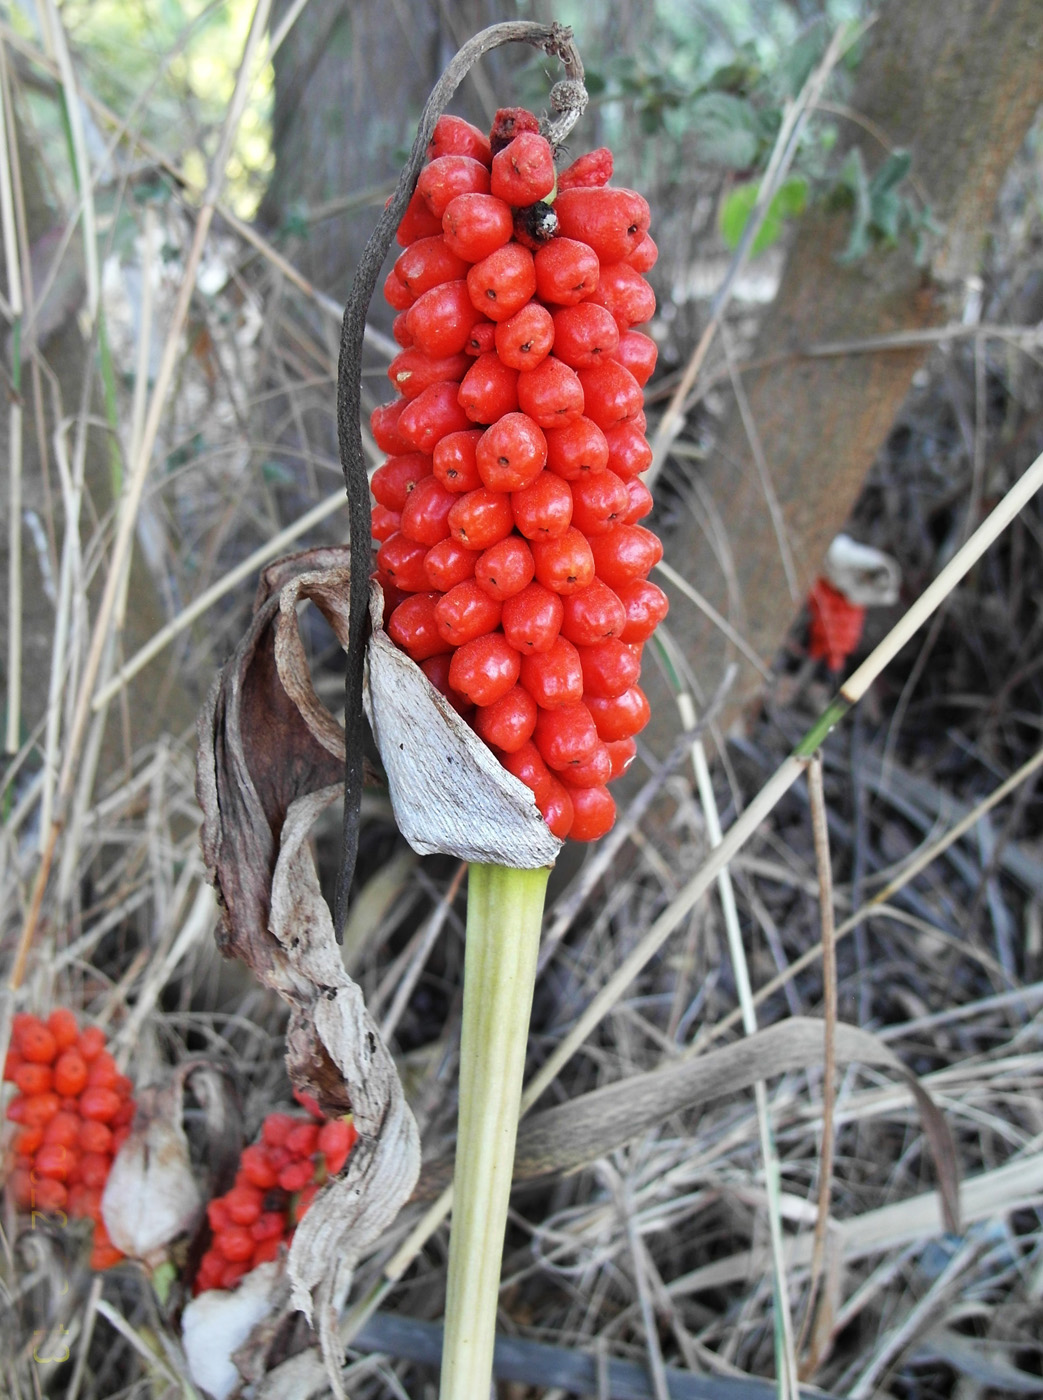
(569, 98)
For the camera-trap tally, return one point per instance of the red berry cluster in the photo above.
(835, 626)
(73, 1109)
(513, 566)
(277, 1181)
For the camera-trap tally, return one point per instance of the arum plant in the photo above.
(511, 597)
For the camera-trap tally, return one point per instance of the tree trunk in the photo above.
(957, 85)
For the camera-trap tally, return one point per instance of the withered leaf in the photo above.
(270, 761)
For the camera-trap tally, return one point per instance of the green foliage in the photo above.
(788, 201)
(881, 212)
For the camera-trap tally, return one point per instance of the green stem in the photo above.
(504, 916)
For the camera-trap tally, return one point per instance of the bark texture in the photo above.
(957, 85)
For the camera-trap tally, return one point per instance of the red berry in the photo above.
(590, 171)
(554, 677)
(622, 753)
(599, 503)
(102, 1072)
(396, 293)
(436, 669)
(638, 353)
(401, 332)
(302, 1139)
(454, 461)
(566, 735)
(544, 509)
(448, 563)
(50, 1194)
(36, 1043)
(475, 225)
(384, 523)
(336, 1139)
(431, 415)
(552, 394)
(619, 717)
(38, 1109)
(644, 256)
(508, 722)
(256, 1167)
(611, 221)
(628, 451)
(528, 767)
(625, 293)
(440, 321)
(584, 335)
(836, 624)
(465, 612)
(565, 563)
(639, 500)
(402, 561)
(92, 1136)
(594, 812)
(503, 282)
(70, 1073)
(425, 515)
(481, 518)
(269, 1225)
(508, 123)
(428, 263)
(611, 394)
(595, 771)
(556, 807)
(453, 136)
(94, 1169)
(579, 449)
(413, 371)
(234, 1243)
(295, 1176)
(624, 553)
(566, 271)
(417, 221)
(505, 569)
(485, 668)
(27, 1140)
(448, 176)
(100, 1104)
(383, 424)
(525, 338)
(531, 620)
(645, 604)
(609, 668)
(33, 1078)
(62, 1025)
(482, 338)
(414, 628)
(511, 453)
(489, 389)
(392, 483)
(523, 171)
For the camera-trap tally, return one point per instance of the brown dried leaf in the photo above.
(270, 762)
(449, 791)
(565, 1138)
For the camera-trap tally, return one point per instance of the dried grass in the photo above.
(662, 1252)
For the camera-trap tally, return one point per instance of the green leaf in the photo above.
(891, 173)
(726, 129)
(788, 201)
(853, 178)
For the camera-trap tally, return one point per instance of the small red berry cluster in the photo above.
(513, 567)
(73, 1109)
(835, 624)
(277, 1180)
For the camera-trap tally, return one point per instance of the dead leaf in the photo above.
(270, 761)
(449, 791)
(565, 1138)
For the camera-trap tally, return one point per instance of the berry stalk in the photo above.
(504, 917)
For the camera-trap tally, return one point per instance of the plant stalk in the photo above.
(504, 916)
